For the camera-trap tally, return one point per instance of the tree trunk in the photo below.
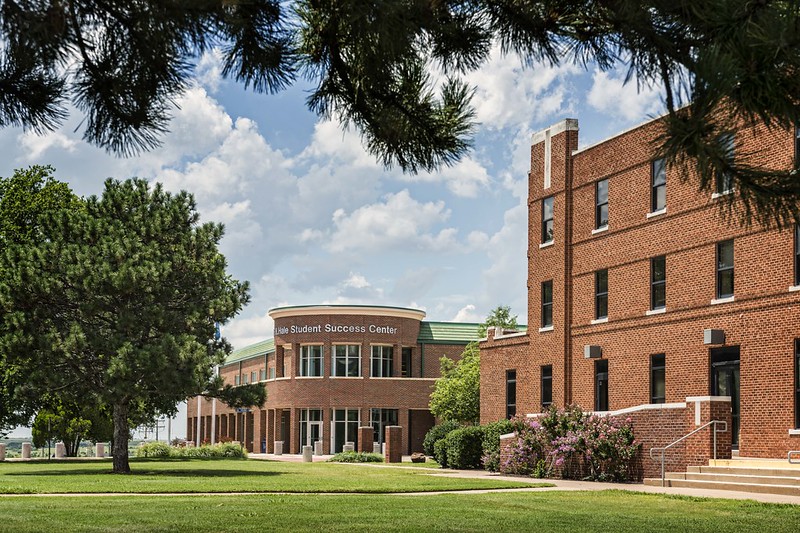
(121, 436)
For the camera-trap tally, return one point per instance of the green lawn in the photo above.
(154, 476)
(607, 512)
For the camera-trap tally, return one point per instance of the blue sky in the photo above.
(311, 218)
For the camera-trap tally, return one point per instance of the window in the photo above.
(236, 379)
(658, 190)
(724, 269)
(244, 379)
(797, 254)
(658, 282)
(347, 360)
(272, 372)
(405, 362)
(725, 177)
(601, 204)
(547, 303)
(601, 294)
(382, 361)
(547, 387)
(547, 220)
(379, 419)
(262, 374)
(345, 428)
(310, 426)
(601, 385)
(657, 378)
(253, 376)
(311, 360)
(797, 383)
(511, 393)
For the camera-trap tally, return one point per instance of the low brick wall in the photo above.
(657, 425)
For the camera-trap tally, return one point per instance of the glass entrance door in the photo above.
(725, 382)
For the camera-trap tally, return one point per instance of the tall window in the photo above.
(236, 379)
(511, 393)
(725, 178)
(724, 269)
(253, 377)
(405, 362)
(379, 419)
(347, 360)
(601, 294)
(657, 378)
(601, 385)
(797, 254)
(547, 303)
(658, 282)
(345, 428)
(547, 219)
(601, 204)
(382, 361)
(271, 372)
(658, 188)
(311, 360)
(262, 374)
(547, 386)
(797, 383)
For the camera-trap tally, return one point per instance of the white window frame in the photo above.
(304, 369)
(347, 359)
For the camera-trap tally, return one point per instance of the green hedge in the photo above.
(162, 450)
(491, 443)
(440, 452)
(465, 447)
(356, 457)
(437, 432)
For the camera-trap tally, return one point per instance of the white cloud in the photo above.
(35, 145)
(467, 314)
(245, 331)
(611, 95)
(466, 179)
(398, 222)
(208, 71)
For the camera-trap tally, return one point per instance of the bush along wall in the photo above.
(491, 443)
(162, 450)
(572, 444)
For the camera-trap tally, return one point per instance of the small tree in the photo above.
(499, 316)
(456, 395)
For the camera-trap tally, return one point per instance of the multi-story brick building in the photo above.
(331, 369)
(645, 294)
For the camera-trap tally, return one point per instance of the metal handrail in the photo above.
(793, 453)
(670, 445)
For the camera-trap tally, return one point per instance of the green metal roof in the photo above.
(258, 349)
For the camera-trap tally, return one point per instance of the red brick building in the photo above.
(641, 294)
(328, 371)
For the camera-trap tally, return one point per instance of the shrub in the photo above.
(439, 431)
(356, 457)
(153, 449)
(440, 452)
(491, 443)
(465, 447)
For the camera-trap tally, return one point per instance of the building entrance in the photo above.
(725, 382)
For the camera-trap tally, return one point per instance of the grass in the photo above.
(161, 476)
(606, 511)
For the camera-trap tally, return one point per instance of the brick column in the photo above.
(270, 430)
(699, 411)
(294, 432)
(279, 361)
(365, 438)
(394, 444)
(257, 429)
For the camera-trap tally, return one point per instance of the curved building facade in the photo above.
(329, 370)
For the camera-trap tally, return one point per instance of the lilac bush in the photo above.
(572, 444)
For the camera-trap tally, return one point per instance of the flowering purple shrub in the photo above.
(572, 444)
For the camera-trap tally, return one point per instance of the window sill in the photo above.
(599, 321)
(662, 211)
(659, 311)
(716, 195)
(546, 244)
(601, 229)
(347, 377)
(309, 377)
(794, 432)
(725, 300)
(794, 288)
(545, 329)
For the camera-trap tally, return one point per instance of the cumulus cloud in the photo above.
(467, 314)
(35, 145)
(611, 95)
(245, 331)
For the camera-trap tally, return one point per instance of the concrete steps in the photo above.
(764, 476)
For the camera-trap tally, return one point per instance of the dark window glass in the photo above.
(657, 378)
(311, 360)
(547, 303)
(382, 361)
(725, 178)
(797, 254)
(601, 385)
(347, 360)
(724, 269)
(547, 219)
(658, 282)
(601, 294)
(601, 204)
(379, 419)
(547, 386)
(511, 393)
(658, 193)
(797, 383)
(405, 363)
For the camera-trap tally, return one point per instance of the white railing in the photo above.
(664, 449)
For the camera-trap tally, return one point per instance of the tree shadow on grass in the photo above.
(144, 472)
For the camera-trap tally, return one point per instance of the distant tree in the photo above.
(71, 423)
(456, 395)
(499, 316)
(723, 65)
(119, 302)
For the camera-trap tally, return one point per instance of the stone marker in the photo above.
(278, 447)
(318, 447)
(307, 456)
(61, 450)
(376, 447)
(2, 452)
(100, 449)
(349, 447)
(26, 450)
